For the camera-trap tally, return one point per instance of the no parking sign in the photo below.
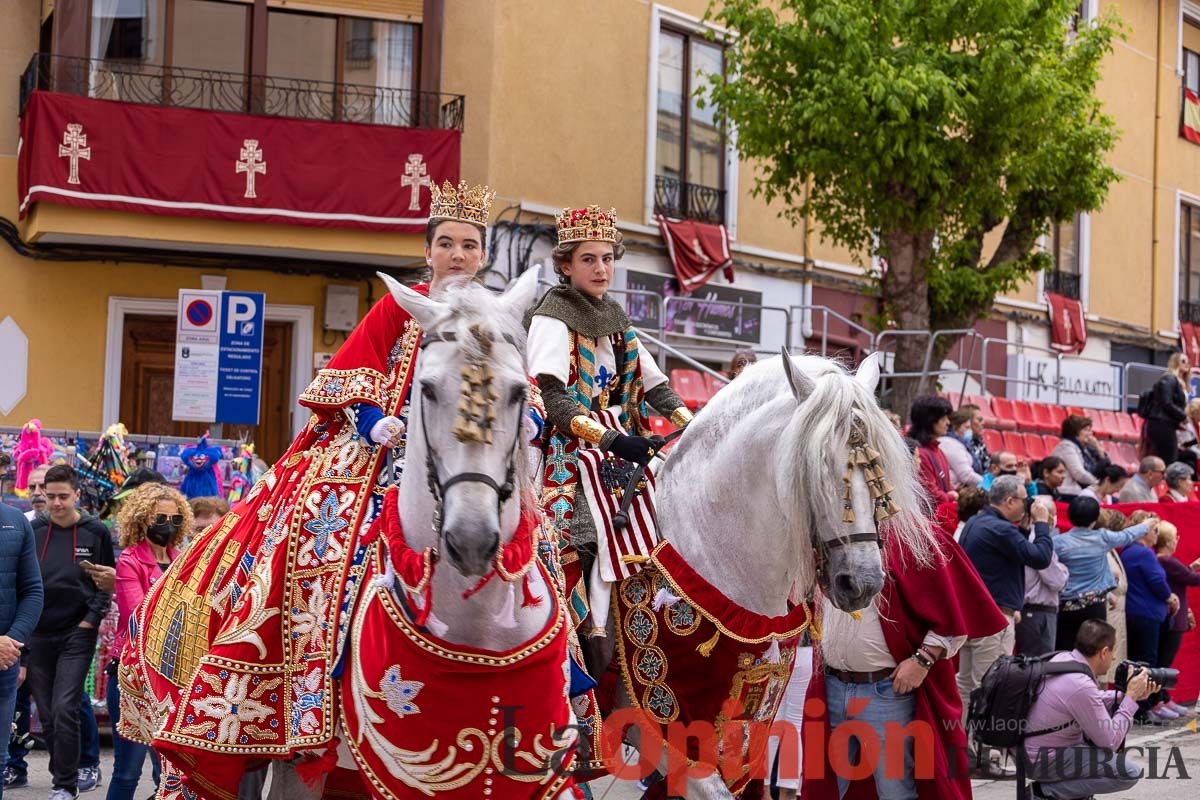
(218, 356)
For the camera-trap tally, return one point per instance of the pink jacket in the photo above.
(137, 570)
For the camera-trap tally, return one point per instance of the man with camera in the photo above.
(1074, 729)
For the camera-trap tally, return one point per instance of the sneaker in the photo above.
(89, 778)
(1178, 709)
(14, 779)
(1158, 718)
(62, 794)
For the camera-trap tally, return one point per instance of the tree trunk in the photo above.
(906, 298)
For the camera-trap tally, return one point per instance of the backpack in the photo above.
(1145, 403)
(999, 707)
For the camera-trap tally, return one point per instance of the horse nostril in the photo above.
(846, 584)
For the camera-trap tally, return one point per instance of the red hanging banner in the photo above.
(697, 250)
(1190, 127)
(1068, 328)
(1189, 340)
(196, 163)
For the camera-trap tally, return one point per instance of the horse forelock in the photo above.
(483, 327)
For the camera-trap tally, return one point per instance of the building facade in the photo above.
(552, 104)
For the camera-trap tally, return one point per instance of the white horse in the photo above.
(752, 497)
(462, 498)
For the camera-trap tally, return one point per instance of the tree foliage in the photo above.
(916, 128)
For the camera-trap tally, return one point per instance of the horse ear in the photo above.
(424, 310)
(522, 293)
(802, 385)
(868, 372)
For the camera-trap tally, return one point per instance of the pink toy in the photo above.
(31, 452)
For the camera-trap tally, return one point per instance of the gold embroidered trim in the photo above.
(338, 387)
(588, 429)
(681, 417)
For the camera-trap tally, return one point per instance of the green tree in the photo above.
(913, 129)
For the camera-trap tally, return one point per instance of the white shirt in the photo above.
(859, 645)
(31, 515)
(549, 348)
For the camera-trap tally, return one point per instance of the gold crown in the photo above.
(589, 224)
(466, 203)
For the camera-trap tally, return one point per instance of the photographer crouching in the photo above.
(1077, 728)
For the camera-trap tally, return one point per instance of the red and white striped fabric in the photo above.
(640, 536)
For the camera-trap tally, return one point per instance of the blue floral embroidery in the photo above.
(640, 626)
(325, 525)
(661, 702)
(400, 693)
(649, 665)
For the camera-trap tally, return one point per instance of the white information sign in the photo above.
(1077, 383)
(197, 352)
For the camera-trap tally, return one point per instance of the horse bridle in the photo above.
(438, 487)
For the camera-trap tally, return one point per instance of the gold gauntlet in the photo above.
(587, 428)
(681, 417)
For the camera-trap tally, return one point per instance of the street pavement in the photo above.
(1176, 746)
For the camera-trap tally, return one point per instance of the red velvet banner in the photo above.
(1068, 327)
(697, 250)
(196, 163)
(1185, 517)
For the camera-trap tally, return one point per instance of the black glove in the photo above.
(637, 449)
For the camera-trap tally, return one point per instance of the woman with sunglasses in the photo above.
(152, 525)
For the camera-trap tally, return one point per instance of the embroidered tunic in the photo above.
(231, 657)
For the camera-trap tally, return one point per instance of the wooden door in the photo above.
(148, 385)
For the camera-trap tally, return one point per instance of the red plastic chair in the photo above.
(714, 384)
(994, 441)
(660, 426)
(1077, 411)
(1050, 441)
(1014, 442)
(1035, 448)
(1046, 417)
(1128, 428)
(984, 403)
(1023, 413)
(1004, 417)
(691, 387)
(1123, 454)
(1105, 424)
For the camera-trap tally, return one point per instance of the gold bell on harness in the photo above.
(848, 514)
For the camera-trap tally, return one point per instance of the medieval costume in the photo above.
(232, 658)
(596, 382)
(942, 604)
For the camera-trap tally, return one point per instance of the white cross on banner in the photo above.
(416, 175)
(250, 161)
(74, 147)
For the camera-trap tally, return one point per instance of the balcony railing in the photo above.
(1064, 283)
(682, 200)
(213, 90)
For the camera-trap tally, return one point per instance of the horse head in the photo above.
(854, 476)
(466, 468)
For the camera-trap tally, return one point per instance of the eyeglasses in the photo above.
(174, 519)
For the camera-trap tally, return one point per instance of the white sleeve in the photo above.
(549, 348)
(651, 375)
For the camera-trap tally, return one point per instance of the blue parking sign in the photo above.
(239, 367)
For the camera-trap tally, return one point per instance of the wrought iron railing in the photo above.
(214, 90)
(1189, 312)
(682, 200)
(1064, 283)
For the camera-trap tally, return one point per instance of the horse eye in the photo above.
(517, 395)
(428, 392)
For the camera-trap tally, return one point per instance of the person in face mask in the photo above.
(152, 524)
(956, 446)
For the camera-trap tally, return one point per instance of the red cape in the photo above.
(950, 599)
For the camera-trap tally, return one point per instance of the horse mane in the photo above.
(480, 323)
(815, 436)
(820, 438)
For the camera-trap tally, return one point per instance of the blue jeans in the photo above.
(128, 757)
(8, 701)
(89, 734)
(17, 753)
(882, 705)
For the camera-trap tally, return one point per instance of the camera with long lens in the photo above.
(1163, 676)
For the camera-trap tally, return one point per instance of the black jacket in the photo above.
(1170, 401)
(71, 596)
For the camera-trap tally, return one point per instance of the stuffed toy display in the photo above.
(202, 478)
(31, 452)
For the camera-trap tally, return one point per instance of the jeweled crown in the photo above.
(591, 224)
(466, 203)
